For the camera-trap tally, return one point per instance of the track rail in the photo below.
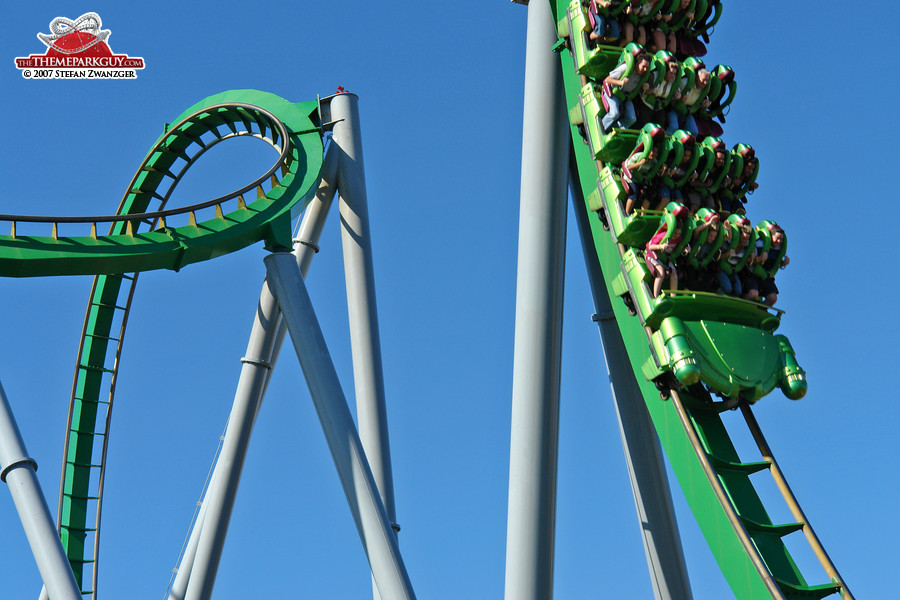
(144, 234)
(748, 546)
(235, 221)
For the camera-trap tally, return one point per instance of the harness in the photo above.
(660, 63)
(722, 89)
(651, 135)
(710, 16)
(764, 232)
(708, 146)
(734, 222)
(702, 254)
(689, 69)
(740, 154)
(678, 143)
(629, 53)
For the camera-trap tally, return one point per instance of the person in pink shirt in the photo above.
(658, 252)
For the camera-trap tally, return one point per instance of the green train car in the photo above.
(725, 342)
(664, 189)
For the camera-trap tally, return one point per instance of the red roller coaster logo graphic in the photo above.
(78, 49)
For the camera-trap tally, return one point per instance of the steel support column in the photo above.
(305, 246)
(531, 519)
(220, 497)
(363, 498)
(17, 469)
(643, 455)
(368, 377)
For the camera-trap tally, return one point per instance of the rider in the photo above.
(621, 111)
(769, 260)
(658, 251)
(606, 29)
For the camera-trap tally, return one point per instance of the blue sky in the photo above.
(440, 90)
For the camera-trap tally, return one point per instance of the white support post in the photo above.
(220, 498)
(368, 377)
(366, 506)
(643, 455)
(531, 519)
(305, 246)
(17, 469)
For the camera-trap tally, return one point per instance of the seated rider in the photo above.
(634, 178)
(621, 111)
(722, 91)
(705, 240)
(656, 97)
(731, 260)
(676, 175)
(687, 38)
(708, 186)
(658, 251)
(770, 260)
(606, 29)
(640, 168)
(742, 182)
(682, 17)
(639, 14)
(692, 95)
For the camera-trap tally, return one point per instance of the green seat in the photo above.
(735, 222)
(764, 232)
(703, 251)
(710, 175)
(677, 143)
(659, 65)
(612, 147)
(591, 62)
(722, 90)
(690, 67)
(741, 156)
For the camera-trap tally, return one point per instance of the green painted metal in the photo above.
(143, 235)
(265, 216)
(683, 344)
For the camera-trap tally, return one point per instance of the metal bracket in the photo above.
(306, 243)
(25, 460)
(257, 362)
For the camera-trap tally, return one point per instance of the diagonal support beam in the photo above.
(643, 455)
(17, 469)
(366, 506)
(343, 172)
(305, 246)
(223, 489)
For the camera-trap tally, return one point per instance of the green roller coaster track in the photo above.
(717, 483)
(143, 237)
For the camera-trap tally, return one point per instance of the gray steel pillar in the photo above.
(305, 246)
(643, 455)
(186, 566)
(306, 243)
(531, 520)
(17, 469)
(373, 525)
(368, 377)
(649, 484)
(220, 498)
